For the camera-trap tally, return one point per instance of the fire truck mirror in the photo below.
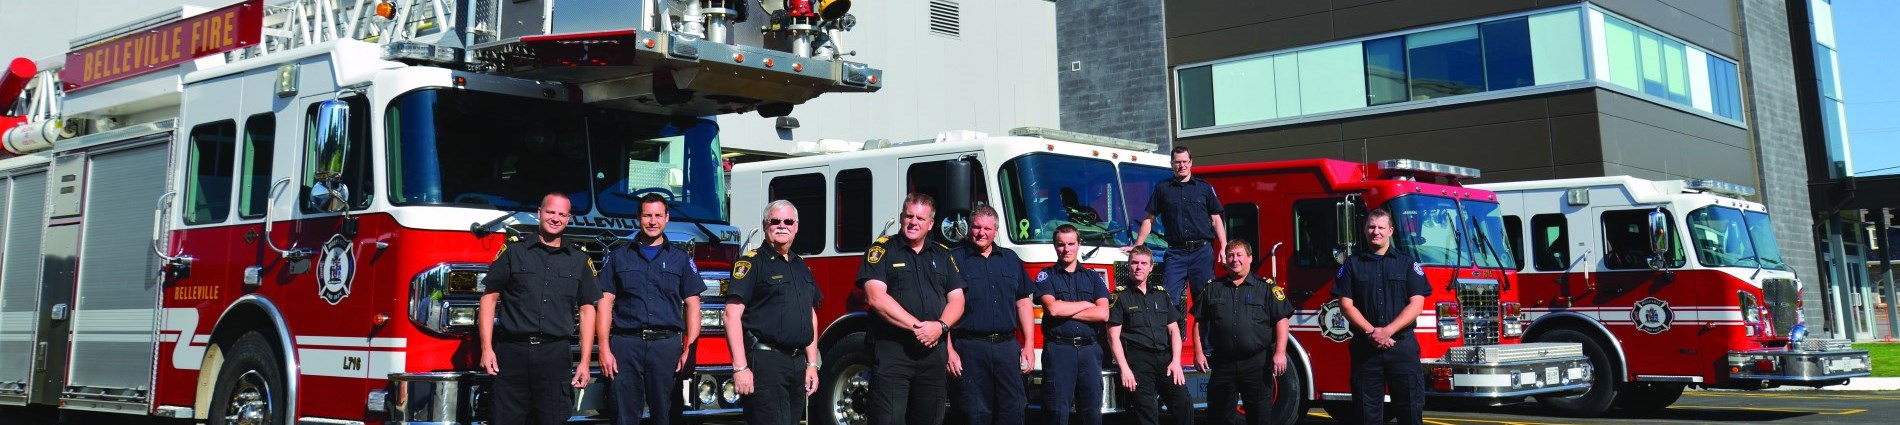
(1658, 233)
(330, 147)
(1345, 229)
(955, 198)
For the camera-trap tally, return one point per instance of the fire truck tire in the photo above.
(1603, 385)
(1648, 396)
(843, 384)
(250, 387)
(1289, 402)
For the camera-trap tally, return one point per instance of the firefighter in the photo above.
(1191, 214)
(1245, 320)
(914, 288)
(1382, 291)
(650, 299)
(540, 284)
(772, 322)
(990, 388)
(1144, 332)
(1074, 305)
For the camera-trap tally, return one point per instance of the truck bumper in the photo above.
(457, 397)
(1508, 371)
(1833, 364)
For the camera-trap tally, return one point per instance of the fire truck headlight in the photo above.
(729, 393)
(1448, 313)
(445, 298)
(462, 316)
(712, 318)
(1513, 319)
(706, 391)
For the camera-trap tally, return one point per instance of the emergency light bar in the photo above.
(1083, 138)
(1721, 187)
(1409, 167)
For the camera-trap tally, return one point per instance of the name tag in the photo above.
(897, 265)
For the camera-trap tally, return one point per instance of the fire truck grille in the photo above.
(1780, 297)
(1482, 321)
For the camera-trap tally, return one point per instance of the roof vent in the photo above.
(946, 18)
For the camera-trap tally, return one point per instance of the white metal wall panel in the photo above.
(113, 318)
(20, 278)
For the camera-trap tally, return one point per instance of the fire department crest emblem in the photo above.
(1332, 322)
(336, 269)
(1652, 315)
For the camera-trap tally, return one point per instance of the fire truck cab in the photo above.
(1667, 284)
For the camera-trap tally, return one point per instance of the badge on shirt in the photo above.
(875, 255)
(1042, 275)
(1418, 269)
(740, 269)
(1279, 294)
(504, 248)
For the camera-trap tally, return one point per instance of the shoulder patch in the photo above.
(1342, 272)
(1042, 275)
(875, 254)
(1416, 268)
(1279, 294)
(590, 267)
(504, 248)
(740, 269)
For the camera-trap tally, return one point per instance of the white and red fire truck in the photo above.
(1667, 284)
(1310, 214)
(332, 177)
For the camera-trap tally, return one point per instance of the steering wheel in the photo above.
(635, 195)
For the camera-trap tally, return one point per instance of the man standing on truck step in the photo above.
(772, 322)
(650, 299)
(1245, 320)
(985, 354)
(1190, 212)
(1074, 305)
(1144, 332)
(1382, 292)
(913, 287)
(540, 284)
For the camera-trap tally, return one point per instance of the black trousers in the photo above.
(991, 389)
(646, 381)
(778, 382)
(1245, 376)
(908, 383)
(534, 385)
(1397, 369)
(1072, 378)
(1151, 379)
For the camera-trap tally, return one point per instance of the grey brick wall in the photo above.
(1121, 89)
(1774, 115)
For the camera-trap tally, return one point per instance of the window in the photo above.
(1507, 54)
(807, 192)
(1444, 62)
(260, 136)
(1725, 93)
(208, 190)
(1313, 228)
(1044, 191)
(358, 172)
(1197, 96)
(1666, 69)
(1550, 243)
(855, 225)
(1243, 223)
(1626, 240)
(1385, 71)
(1514, 232)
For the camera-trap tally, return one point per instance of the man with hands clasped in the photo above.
(1144, 332)
(1244, 319)
(1382, 292)
(915, 291)
(772, 322)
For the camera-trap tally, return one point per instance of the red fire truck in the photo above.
(332, 177)
(1310, 214)
(1608, 269)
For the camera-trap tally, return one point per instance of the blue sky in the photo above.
(1865, 31)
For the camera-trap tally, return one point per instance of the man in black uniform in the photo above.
(913, 287)
(1382, 291)
(1074, 305)
(985, 355)
(772, 322)
(1245, 319)
(644, 287)
(540, 283)
(1190, 213)
(1144, 331)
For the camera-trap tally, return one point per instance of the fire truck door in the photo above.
(58, 274)
(113, 317)
(1651, 310)
(22, 200)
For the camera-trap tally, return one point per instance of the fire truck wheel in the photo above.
(1647, 396)
(250, 388)
(1603, 386)
(1289, 402)
(844, 384)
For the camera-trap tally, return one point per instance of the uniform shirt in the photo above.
(779, 295)
(1381, 285)
(1081, 285)
(920, 281)
(1240, 319)
(1184, 209)
(994, 283)
(541, 287)
(650, 293)
(1144, 317)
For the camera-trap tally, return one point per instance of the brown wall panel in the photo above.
(1502, 146)
(1394, 15)
(1575, 139)
(1693, 125)
(1304, 30)
(1469, 114)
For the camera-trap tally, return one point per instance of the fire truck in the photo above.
(1310, 214)
(1667, 284)
(166, 255)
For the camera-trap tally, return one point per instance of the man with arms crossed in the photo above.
(1074, 305)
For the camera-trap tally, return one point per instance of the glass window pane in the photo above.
(208, 196)
(1444, 62)
(1286, 84)
(1676, 71)
(1556, 47)
(1507, 54)
(1619, 39)
(1649, 55)
(1243, 91)
(854, 210)
(1385, 71)
(260, 135)
(1330, 79)
(1550, 242)
(1831, 126)
(1823, 13)
(807, 193)
(1196, 90)
(1824, 68)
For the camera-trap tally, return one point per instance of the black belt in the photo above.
(1189, 245)
(1078, 342)
(530, 339)
(648, 334)
(777, 349)
(986, 336)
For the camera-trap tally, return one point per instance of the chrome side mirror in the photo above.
(1343, 230)
(329, 150)
(1659, 235)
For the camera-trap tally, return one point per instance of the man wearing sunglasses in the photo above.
(772, 309)
(914, 288)
(650, 304)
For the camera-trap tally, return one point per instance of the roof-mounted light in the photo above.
(1083, 138)
(425, 52)
(1412, 168)
(1721, 188)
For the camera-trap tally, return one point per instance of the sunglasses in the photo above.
(783, 221)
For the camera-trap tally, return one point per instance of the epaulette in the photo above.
(941, 245)
(882, 240)
(750, 253)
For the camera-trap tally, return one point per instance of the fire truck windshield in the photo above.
(1437, 233)
(1728, 237)
(1042, 191)
(1140, 181)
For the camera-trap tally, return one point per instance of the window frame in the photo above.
(258, 163)
(844, 241)
(804, 243)
(194, 189)
(1541, 248)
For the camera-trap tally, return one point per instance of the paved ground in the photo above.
(1697, 407)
